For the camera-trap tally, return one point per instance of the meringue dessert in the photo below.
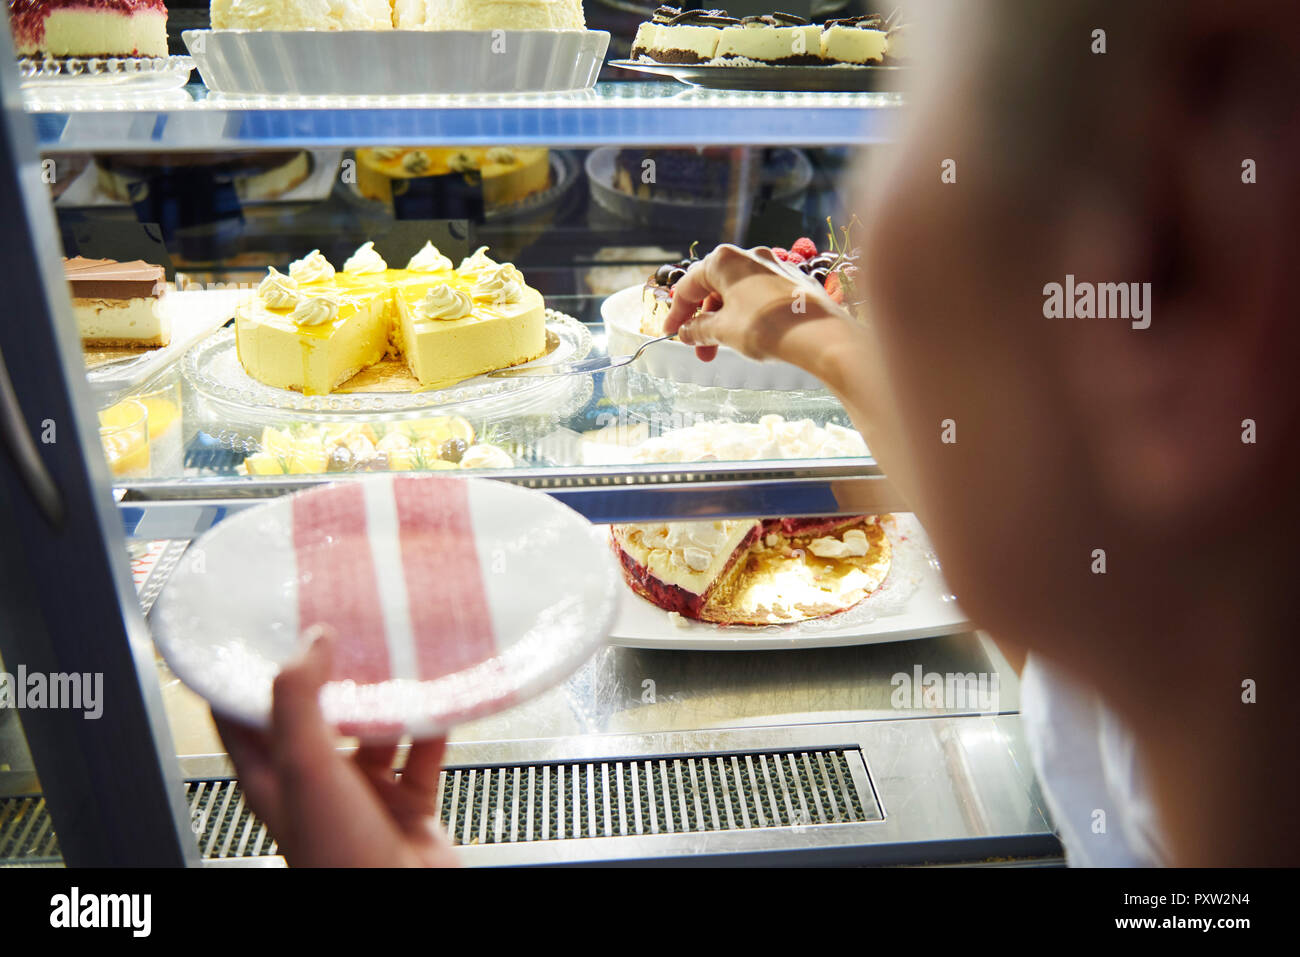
(397, 15)
(488, 15)
(314, 329)
(302, 15)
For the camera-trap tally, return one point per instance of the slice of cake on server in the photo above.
(89, 28)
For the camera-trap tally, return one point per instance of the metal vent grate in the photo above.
(506, 804)
(224, 825)
(26, 832)
(669, 795)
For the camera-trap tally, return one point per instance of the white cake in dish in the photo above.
(489, 15)
(302, 14)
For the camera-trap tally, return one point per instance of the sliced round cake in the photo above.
(314, 329)
(89, 28)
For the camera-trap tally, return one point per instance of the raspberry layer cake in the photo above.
(748, 572)
(89, 28)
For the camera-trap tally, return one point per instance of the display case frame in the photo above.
(116, 791)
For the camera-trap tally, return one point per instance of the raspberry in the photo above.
(796, 258)
(781, 254)
(833, 288)
(805, 247)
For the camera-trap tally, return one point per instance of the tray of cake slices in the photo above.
(75, 45)
(635, 315)
(367, 339)
(397, 48)
(777, 51)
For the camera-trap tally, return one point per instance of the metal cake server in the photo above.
(580, 367)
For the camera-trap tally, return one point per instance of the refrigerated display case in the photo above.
(789, 744)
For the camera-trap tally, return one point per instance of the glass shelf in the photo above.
(639, 113)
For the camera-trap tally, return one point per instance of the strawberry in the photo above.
(833, 288)
(805, 247)
(781, 254)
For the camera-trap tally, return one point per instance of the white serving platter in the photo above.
(914, 602)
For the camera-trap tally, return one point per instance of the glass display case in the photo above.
(793, 743)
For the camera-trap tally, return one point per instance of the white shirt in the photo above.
(1087, 766)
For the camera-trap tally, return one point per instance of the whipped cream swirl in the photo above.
(502, 285)
(479, 262)
(315, 311)
(311, 268)
(442, 302)
(365, 262)
(429, 259)
(278, 291)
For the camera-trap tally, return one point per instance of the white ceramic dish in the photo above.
(914, 602)
(396, 62)
(452, 599)
(678, 362)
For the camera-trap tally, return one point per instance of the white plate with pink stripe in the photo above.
(452, 599)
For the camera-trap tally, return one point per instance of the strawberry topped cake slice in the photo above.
(89, 28)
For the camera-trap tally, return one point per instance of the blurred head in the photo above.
(1076, 437)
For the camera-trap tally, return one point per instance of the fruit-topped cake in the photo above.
(751, 572)
(833, 271)
(89, 28)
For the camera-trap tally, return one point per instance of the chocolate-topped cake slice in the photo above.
(859, 40)
(778, 39)
(117, 303)
(683, 37)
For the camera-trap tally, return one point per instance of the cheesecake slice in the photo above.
(679, 566)
(469, 324)
(687, 37)
(858, 40)
(118, 305)
(315, 341)
(779, 39)
(89, 28)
